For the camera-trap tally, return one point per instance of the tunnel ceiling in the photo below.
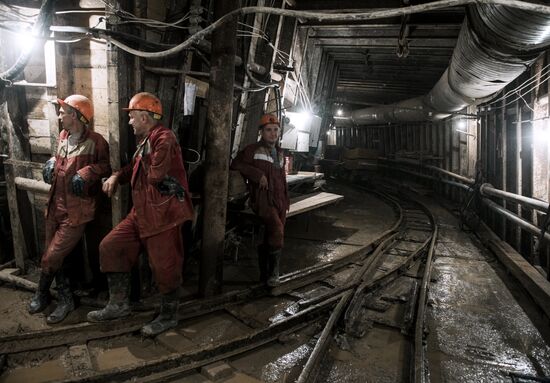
(365, 56)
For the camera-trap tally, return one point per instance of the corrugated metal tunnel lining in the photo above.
(496, 44)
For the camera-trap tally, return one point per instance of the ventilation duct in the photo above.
(495, 45)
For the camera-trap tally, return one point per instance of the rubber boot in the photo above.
(65, 301)
(263, 263)
(119, 299)
(274, 257)
(42, 297)
(167, 318)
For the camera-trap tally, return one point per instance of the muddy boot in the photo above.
(274, 259)
(263, 263)
(168, 317)
(42, 297)
(65, 302)
(119, 301)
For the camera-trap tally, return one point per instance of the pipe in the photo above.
(32, 185)
(352, 17)
(456, 184)
(38, 30)
(496, 44)
(514, 218)
(466, 180)
(488, 190)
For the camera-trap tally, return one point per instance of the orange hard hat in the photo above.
(268, 119)
(147, 102)
(81, 104)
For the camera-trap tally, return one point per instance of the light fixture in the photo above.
(339, 112)
(461, 124)
(26, 39)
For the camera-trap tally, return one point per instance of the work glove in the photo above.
(47, 170)
(78, 184)
(170, 186)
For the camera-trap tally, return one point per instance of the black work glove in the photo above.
(47, 170)
(78, 184)
(170, 186)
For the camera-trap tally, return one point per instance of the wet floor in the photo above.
(477, 330)
(321, 235)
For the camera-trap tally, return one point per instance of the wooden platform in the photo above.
(301, 177)
(302, 204)
(312, 201)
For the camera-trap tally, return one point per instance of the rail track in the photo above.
(308, 297)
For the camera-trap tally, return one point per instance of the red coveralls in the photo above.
(271, 205)
(66, 213)
(155, 220)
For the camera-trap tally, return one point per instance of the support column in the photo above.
(218, 137)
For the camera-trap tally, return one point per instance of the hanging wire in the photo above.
(540, 75)
(369, 15)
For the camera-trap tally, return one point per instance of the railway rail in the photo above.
(397, 253)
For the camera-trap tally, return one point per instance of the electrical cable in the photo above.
(362, 16)
(536, 76)
(198, 160)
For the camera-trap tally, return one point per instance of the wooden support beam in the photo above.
(118, 80)
(19, 205)
(220, 118)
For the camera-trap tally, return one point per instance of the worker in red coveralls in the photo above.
(161, 205)
(75, 173)
(262, 165)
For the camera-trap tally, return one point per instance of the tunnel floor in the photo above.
(480, 326)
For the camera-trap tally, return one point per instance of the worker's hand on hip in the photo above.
(78, 184)
(47, 170)
(110, 185)
(263, 183)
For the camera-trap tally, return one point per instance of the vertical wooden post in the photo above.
(15, 152)
(117, 79)
(220, 118)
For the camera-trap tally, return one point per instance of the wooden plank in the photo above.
(40, 145)
(535, 284)
(39, 127)
(18, 151)
(313, 202)
(202, 86)
(80, 361)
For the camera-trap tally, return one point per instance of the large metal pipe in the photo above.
(466, 180)
(488, 190)
(495, 45)
(514, 218)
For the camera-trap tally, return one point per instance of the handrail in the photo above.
(514, 218)
(487, 190)
(532, 203)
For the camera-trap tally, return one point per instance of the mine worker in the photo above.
(161, 205)
(75, 173)
(262, 165)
